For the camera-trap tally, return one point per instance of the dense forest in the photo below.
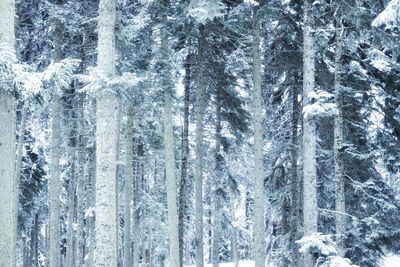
(195, 132)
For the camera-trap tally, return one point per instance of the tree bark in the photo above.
(259, 217)
(310, 208)
(184, 159)
(9, 190)
(199, 150)
(338, 149)
(106, 253)
(295, 183)
(128, 188)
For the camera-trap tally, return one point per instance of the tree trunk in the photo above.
(9, 190)
(216, 225)
(106, 253)
(338, 149)
(234, 243)
(128, 188)
(91, 204)
(259, 218)
(199, 150)
(184, 159)
(295, 183)
(70, 259)
(169, 152)
(81, 185)
(310, 208)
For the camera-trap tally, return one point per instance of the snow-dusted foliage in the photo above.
(204, 10)
(389, 17)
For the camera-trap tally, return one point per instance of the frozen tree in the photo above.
(106, 142)
(8, 198)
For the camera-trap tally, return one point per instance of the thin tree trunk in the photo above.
(295, 183)
(81, 185)
(234, 242)
(184, 159)
(136, 219)
(310, 208)
(106, 253)
(9, 188)
(338, 150)
(259, 217)
(128, 188)
(91, 204)
(70, 259)
(199, 150)
(218, 166)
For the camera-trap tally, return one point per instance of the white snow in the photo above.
(230, 264)
(391, 261)
(388, 17)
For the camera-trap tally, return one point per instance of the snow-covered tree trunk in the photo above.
(136, 218)
(338, 150)
(9, 186)
(54, 188)
(310, 208)
(106, 253)
(259, 217)
(199, 150)
(295, 183)
(128, 188)
(169, 152)
(184, 158)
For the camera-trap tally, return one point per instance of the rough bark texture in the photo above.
(199, 151)
(295, 183)
(338, 151)
(70, 256)
(259, 217)
(184, 160)
(128, 188)
(91, 204)
(310, 209)
(9, 188)
(106, 135)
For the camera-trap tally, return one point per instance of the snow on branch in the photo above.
(319, 104)
(203, 10)
(388, 17)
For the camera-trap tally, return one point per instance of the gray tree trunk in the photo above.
(199, 150)
(310, 208)
(295, 183)
(259, 217)
(184, 159)
(106, 253)
(9, 188)
(338, 149)
(128, 188)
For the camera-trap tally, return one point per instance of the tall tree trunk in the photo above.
(9, 190)
(234, 241)
(106, 253)
(295, 183)
(54, 188)
(338, 149)
(310, 208)
(216, 225)
(81, 184)
(200, 95)
(259, 217)
(128, 188)
(184, 159)
(169, 151)
(136, 218)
